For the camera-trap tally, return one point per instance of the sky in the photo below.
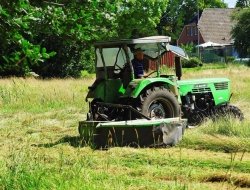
(231, 3)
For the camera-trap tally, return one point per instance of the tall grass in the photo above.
(229, 127)
(31, 95)
(222, 135)
(40, 148)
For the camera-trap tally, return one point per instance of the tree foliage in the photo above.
(55, 39)
(241, 32)
(243, 3)
(139, 18)
(18, 49)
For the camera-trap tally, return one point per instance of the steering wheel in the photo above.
(150, 74)
(117, 69)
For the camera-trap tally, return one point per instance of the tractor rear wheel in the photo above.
(159, 103)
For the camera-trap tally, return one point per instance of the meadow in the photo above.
(40, 147)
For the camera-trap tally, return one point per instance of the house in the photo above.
(189, 35)
(214, 25)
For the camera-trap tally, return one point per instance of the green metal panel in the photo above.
(97, 92)
(221, 93)
(137, 85)
(108, 90)
(125, 133)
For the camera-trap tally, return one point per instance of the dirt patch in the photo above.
(74, 141)
(174, 178)
(242, 182)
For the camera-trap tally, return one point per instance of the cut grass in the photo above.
(40, 147)
(63, 167)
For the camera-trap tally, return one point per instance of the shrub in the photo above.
(85, 74)
(189, 48)
(192, 62)
(230, 59)
(248, 63)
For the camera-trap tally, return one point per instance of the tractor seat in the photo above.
(126, 76)
(94, 85)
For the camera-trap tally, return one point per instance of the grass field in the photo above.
(40, 148)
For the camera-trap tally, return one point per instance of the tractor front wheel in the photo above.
(159, 103)
(229, 111)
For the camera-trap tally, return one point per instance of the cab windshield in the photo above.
(112, 57)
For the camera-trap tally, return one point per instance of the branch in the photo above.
(52, 3)
(21, 60)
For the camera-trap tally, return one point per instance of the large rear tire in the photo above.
(159, 103)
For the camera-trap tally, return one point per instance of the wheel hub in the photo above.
(157, 111)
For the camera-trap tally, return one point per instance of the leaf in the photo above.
(3, 12)
(52, 54)
(6, 59)
(43, 50)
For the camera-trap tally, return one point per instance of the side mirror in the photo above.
(178, 67)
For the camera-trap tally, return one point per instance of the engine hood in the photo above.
(201, 81)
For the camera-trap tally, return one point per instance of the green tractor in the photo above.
(155, 109)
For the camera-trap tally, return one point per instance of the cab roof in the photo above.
(145, 40)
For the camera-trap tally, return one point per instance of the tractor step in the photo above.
(139, 133)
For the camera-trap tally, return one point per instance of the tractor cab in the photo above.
(115, 74)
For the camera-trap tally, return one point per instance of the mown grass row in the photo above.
(62, 167)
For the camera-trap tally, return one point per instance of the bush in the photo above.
(248, 63)
(189, 48)
(86, 74)
(230, 59)
(192, 62)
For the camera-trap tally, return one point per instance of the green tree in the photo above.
(55, 39)
(139, 18)
(243, 3)
(241, 32)
(172, 20)
(211, 4)
(18, 51)
(70, 30)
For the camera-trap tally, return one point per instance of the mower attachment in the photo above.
(140, 132)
